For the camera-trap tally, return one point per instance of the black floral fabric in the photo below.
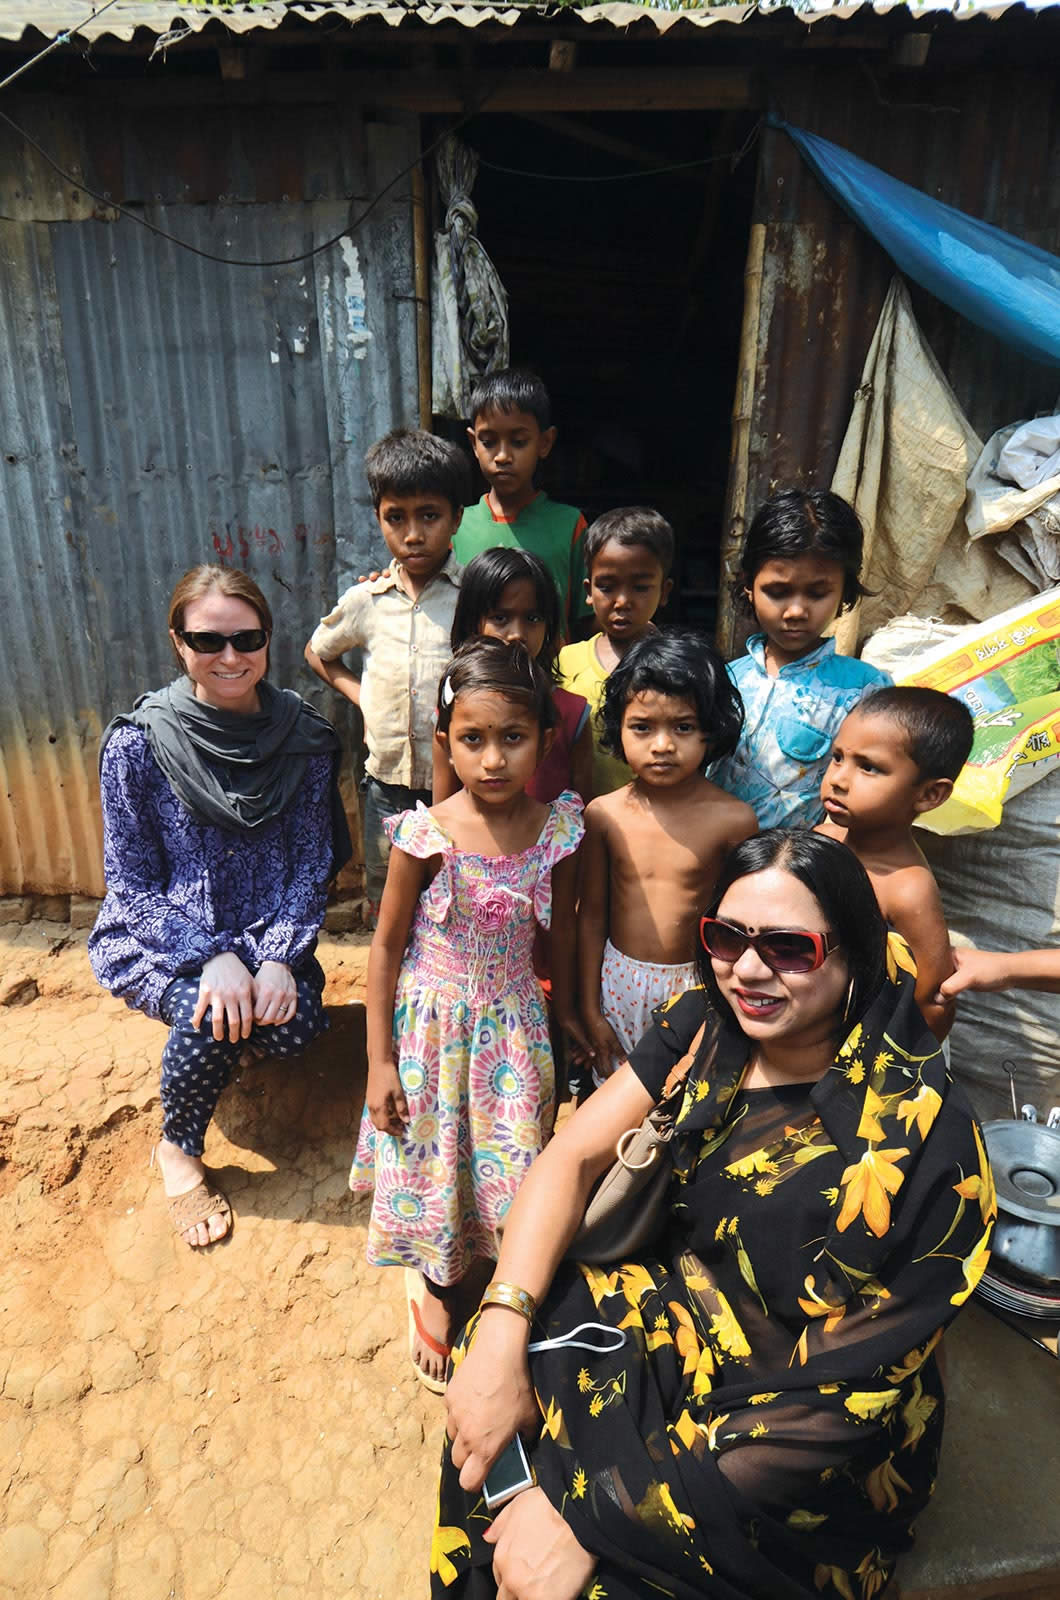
(771, 1425)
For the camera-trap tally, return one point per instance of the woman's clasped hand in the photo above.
(535, 1554)
(238, 998)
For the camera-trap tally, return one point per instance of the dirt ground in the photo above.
(175, 1425)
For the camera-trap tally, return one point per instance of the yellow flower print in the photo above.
(734, 1223)
(712, 1429)
(899, 956)
(883, 1483)
(719, 1231)
(600, 1284)
(585, 1383)
(701, 1383)
(872, 1289)
(883, 1060)
(636, 1283)
(831, 1195)
(759, 1430)
(705, 1564)
(980, 1186)
(810, 1152)
(827, 1388)
(856, 1072)
(973, 1267)
(913, 1362)
(873, 1574)
(757, 1161)
(764, 1186)
(552, 1427)
(867, 1403)
(597, 1592)
(869, 1128)
(727, 1331)
(686, 1340)
(658, 1506)
(658, 1336)
(916, 1414)
(686, 1430)
(579, 1485)
(868, 1183)
(806, 1521)
(922, 1109)
(817, 1306)
(851, 1042)
(762, 1399)
(702, 1090)
(444, 1543)
(596, 1405)
(834, 1575)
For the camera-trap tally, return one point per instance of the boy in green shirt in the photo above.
(511, 431)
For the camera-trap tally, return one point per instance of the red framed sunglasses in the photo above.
(782, 949)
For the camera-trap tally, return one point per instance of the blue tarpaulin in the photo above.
(1008, 287)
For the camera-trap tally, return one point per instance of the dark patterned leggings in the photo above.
(196, 1066)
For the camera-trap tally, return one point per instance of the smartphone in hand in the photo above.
(509, 1475)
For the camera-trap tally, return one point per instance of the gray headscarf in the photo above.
(232, 769)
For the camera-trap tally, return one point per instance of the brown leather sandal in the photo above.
(199, 1205)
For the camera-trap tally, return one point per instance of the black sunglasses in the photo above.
(782, 949)
(246, 641)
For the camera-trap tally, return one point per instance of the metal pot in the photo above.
(1025, 1157)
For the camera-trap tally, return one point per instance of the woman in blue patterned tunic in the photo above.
(222, 825)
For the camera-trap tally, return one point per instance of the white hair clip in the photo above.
(448, 694)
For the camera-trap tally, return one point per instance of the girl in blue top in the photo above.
(799, 569)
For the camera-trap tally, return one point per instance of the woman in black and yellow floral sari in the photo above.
(771, 1423)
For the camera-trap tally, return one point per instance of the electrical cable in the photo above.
(735, 156)
(60, 38)
(237, 261)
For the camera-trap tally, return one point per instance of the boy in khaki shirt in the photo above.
(401, 621)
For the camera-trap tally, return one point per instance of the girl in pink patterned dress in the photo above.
(460, 1073)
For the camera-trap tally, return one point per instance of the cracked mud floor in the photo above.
(239, 1423)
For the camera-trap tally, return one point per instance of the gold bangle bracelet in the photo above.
(512, 1298)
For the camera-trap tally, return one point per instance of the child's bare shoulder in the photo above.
(727, 808)
(604, 811)
(909, 889)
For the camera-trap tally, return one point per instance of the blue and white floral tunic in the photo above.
(790, 722)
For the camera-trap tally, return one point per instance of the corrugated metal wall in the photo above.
(158, 409)
(984, 141)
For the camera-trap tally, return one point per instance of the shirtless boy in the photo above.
(895, 757)
(653, 848)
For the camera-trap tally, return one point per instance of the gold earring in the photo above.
(849, 1001)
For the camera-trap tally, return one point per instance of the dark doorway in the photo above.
(627, 297)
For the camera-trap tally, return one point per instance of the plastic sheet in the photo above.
(999, 282)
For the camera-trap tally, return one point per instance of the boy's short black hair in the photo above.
(410, 461)
(687, 665)
(803, 522)
(630, 526)
(938, 727)
(513, 389)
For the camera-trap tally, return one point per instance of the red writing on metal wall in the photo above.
(239, 542)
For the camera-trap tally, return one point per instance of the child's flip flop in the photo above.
(414, 1285)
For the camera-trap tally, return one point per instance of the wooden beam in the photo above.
(442, 93)
(596, 139)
